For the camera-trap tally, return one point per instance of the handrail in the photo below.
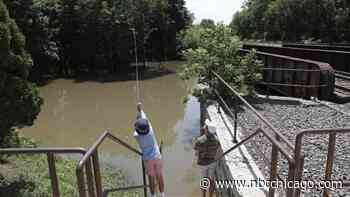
(288, 156)
(274, 140)
(98, 142)
(90, 160)
(50, 152)
(262, 118)
(330, 156)
(42, 150)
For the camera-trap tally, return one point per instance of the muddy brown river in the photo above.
(76, 113)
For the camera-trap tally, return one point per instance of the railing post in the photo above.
(97, 173)
(273, 170)
(144, 178)
(81, 183)
(236, 120)
(53, 175)
(330, 158)
(291, 170)
(299, 174)
(89, 176)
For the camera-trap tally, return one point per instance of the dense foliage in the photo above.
(217, 49)
(294, 20)
(19, 100)
(67, 37)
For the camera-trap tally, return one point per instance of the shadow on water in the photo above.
(145, 74)
(151, 71)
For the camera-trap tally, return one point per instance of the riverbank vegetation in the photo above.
(28, 176)
(19, 98)
(294, 20)
(44, 39)
(68, 38)
(216, 48)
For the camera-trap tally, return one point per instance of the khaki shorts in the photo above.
(154, 167)
(208, 171)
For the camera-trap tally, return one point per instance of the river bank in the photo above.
(28, 176)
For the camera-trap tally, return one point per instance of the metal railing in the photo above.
(332, 133)
(293, 153)
(91, 161)
(87, 170)
(50, 152)
(280, 144)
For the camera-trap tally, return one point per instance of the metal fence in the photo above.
(280, 145)
(89, 181)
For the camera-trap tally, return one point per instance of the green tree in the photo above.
(29, 16)
(218, 50)
(207, 23)
(294, 20)
(19, 100)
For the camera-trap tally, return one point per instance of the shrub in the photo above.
(217, 49)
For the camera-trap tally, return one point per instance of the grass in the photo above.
(28, 176)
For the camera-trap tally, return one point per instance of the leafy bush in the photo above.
(217, 49)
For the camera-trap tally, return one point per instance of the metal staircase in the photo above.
(89, 181)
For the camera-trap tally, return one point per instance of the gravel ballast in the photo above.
(290, 117)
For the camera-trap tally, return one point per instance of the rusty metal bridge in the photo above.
(298, 70)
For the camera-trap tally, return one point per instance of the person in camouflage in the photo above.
(207, 146)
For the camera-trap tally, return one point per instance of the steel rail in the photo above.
(342, 88)
(290, 85)
(342, 72)
(291, 69)
(341, 76)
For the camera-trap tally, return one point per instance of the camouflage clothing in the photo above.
(207, 149)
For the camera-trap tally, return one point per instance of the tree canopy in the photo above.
(68, 37)
(217, 49)
(19, 100)
(294, 20)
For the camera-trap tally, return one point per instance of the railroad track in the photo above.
(342, 83)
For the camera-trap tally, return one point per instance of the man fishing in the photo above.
(207, 146)
(151, 156)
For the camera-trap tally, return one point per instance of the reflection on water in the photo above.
(76, 113)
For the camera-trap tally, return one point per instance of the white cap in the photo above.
(211, 126)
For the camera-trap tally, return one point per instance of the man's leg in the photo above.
(211, 174)
(203, 192)
(152, 184)
(151, 176)
(204, 174)
(160, 177)
(211, 188)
